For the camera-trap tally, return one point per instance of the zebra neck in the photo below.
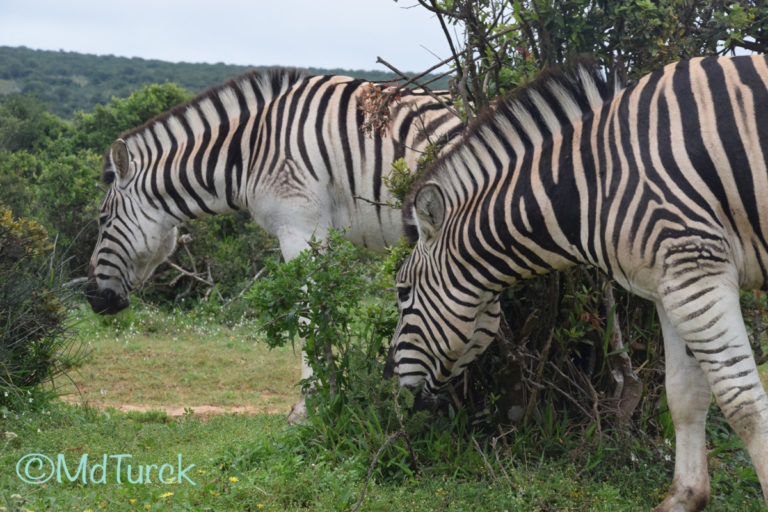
(182, 178)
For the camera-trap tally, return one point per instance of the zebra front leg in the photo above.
(293, 240)
(688, 396)
(705, 312)
(298, 412)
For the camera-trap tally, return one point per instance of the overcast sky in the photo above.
(303, 33)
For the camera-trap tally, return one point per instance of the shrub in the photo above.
(35, 342)
(343, 310)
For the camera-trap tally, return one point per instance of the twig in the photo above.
(494, 441)
(370, 201)
(399, 433)
(247, 287)
(454, 395)
(190, 274)
(539, 372)
(485, 459)
(413, 80)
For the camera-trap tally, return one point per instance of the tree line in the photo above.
(68, 81)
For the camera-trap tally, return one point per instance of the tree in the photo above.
(497, 45)
(97, 130)
(26, 125)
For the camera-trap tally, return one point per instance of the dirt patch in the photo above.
(200, 411)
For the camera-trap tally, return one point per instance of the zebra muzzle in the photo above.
(104, 301)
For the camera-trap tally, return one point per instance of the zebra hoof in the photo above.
(684, 500)
(298, 413)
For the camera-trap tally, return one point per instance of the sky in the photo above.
(347, 34)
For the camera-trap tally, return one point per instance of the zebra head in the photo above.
(446, 317)
(135, 236)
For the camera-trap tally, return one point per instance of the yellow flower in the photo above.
(233, 479)
(260, 505)
(201, 471)
(213, 493)
(146, 507)
(132, 501)
(166, 495)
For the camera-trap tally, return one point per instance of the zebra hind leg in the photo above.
(688, 397)
(704, 312)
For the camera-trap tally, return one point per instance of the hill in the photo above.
(69, 81)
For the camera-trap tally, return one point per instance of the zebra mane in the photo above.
(269, 83)
(534, 113)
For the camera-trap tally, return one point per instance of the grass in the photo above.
(244, 462)
(146, 359)
(258, 462)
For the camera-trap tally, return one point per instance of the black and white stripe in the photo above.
(660, 185)
(284, 146)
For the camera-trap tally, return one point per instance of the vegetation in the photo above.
(34, 342)
(534, 425)
(244, 461)
(570, 342)
(69, 82)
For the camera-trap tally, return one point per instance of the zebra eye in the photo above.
(403, 293)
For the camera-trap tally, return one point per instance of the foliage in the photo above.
(502, 43)
(26, 125)
(68, 82)
(328, 297)
(98, 129)
(317, 297)
(35, 342)
(566, 340)
(400, 178)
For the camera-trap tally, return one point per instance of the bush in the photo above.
(343, 309)
(35, 342)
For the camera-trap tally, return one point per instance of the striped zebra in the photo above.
(286, 147)
(659, 185)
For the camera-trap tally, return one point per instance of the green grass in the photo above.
(258, 462)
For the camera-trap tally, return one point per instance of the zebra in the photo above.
(283, 145)
(658, 185)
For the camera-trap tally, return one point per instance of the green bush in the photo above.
(344, 310)
(35, 342)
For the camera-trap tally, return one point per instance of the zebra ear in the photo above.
(429, 211)
(119, 154)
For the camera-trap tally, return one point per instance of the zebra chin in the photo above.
(105, 301)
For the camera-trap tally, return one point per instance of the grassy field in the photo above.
(145, 360)
(180, 364)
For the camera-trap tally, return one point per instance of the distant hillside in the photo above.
(69, 81)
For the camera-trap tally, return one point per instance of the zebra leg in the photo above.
(688, 396)
(704, 311)
(292, 241)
